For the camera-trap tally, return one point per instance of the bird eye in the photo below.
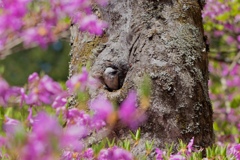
(113, 73)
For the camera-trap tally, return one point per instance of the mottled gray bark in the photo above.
(164, 39)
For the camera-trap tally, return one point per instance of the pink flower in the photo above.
(235, 81)
(2, 141)
(93, 25)
(190, 146)
(114, 153)
(44, 140)
(49, 21)
(13, 11)
(40, 35)
(230, 40)
(128, 108)
(48, 139)
(42, 90)
(74, 116)
(234, 150)
(238, 126)
(218, 33)
(33, 78)
(101, 107)
(88, 154)
(67, 155)
(3, 91)
(72, 136)
(159, 155)
(229, 26)
(128, 112)
(44, 125)
(78, 81)
(60, 102)
(10, 94)
(97, 124)
(10, 125)
(177, 157)
(238, 37)
(119, 153)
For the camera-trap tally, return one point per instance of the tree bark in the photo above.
(164, 39)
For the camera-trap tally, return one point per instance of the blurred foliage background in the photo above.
(52, 61)
(222, 26)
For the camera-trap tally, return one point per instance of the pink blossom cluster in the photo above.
(215, 8)
(111, 153)
(222, 20)
(224, 94)
(185, 153)
(48, 140)
(222, 26)
(10, 94)
(42, 91)
(11, 15)
(181, 155)
(81, 81)
(234, 150)
(46, 137)
(114, 153)
(40, 22)
(230, 77)
(230, 74)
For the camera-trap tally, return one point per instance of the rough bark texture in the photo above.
(163, 38)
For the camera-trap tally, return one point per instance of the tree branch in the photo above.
(15, 45)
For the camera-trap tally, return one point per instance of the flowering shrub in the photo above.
(42, 136)
(41, 22)
(222, 25)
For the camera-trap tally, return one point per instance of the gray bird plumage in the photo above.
(111, 78)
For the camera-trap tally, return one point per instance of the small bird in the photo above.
(111, 78)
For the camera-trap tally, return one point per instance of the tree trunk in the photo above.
(164, 39)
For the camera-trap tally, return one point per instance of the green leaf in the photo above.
(67, 20)
(169, 149)
(149, 145)
(219, 27)
(224, 151)
(215, 126)
(223, 17)
(9, 111)
(98, 147)
(235, 103)
(126, 145)
(110, 143)
(146, 86)
(138, 134)
(133, 136)
(1, 70)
